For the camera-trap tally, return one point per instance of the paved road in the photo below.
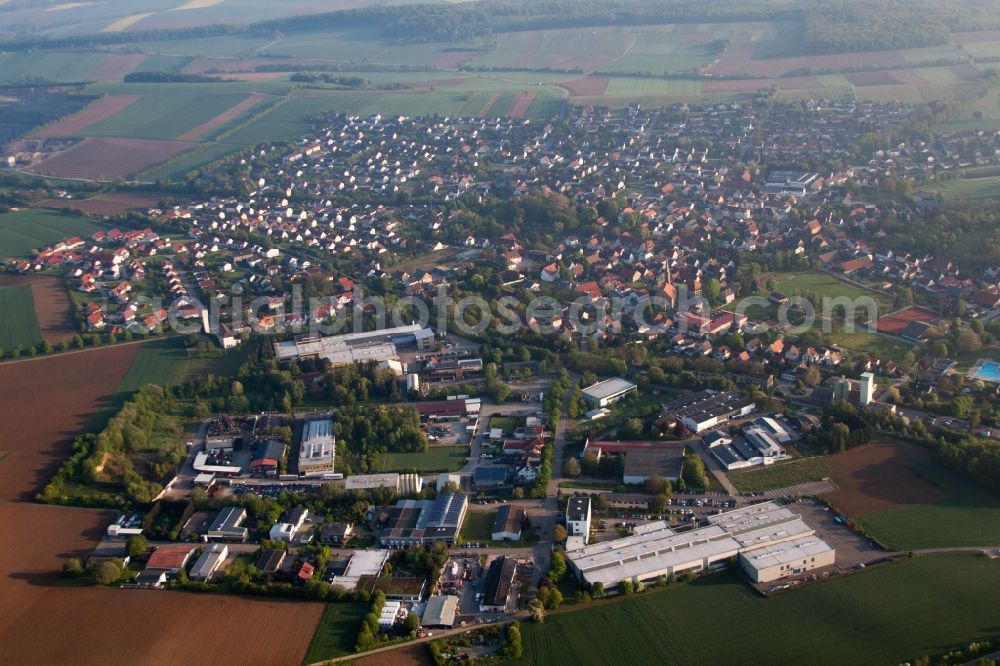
(418, 641)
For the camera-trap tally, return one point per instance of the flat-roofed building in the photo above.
(655, 550)
(365, 346)
(358, 564)
(578, 517)
(228, 525)
(209, 562)
(788, 558)
(372, 481)
(608, 391)
(706, 409)
(318, 448)
(440, 611)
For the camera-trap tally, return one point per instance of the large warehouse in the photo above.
(422, 522)
(706, 409)
(771, 541)
(356, 347)
(607, 392)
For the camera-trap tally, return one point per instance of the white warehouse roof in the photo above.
(786, 553)
(609, 388)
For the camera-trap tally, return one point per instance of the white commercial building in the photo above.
(787, 559)
(655, 550)
(318, 448)
(361, 563)
(376, 346)
(609, 391)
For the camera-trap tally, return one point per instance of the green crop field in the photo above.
(885, 615)
(18, 324)
(966, 516)
(336, 632)
(661, 53)
(162, 362)
(434, 459)
(168, 113)
(780, 475)
(22, 231)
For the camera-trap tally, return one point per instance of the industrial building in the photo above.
(266, 460)
(706, 409)
(349, 348)
(440, 611)
(211, 559)
(787, 559)
(655, 550)
(372, 481)
(608, 391)
(348, 571)
(578, 517)
(498, 586)
(722, 449)
(489, 476)
(422, 522)
(508, 522)
(318, 448)
(642, 458)
(228, 525)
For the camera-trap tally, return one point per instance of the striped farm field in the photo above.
(99, 110)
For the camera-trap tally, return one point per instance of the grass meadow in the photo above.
(966, 516)
(828, 622)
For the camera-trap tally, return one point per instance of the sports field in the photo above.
(25, 230)
(828, 622)
(18, 325)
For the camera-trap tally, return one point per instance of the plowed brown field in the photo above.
(44, 404)
(877, 478)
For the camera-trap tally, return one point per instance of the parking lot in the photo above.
(854, 551)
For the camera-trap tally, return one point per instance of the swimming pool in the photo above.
(988, 371)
